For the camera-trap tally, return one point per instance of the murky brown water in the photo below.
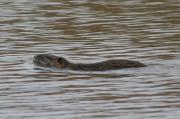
(89, 31)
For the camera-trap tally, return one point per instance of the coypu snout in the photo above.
(46, 60)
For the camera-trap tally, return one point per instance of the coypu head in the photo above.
(46, 60)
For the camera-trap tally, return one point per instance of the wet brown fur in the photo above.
(46, 60)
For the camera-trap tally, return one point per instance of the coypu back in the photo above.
(46, 60)
(107, 65)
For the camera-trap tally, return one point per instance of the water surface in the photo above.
(89, 31)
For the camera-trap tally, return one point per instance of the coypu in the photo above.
(46, 60)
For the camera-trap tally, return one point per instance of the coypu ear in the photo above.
(62, 62)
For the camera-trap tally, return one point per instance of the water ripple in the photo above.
(90, 31)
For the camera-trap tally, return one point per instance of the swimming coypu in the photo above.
(46, 60)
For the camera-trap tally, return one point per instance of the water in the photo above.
(89, 31)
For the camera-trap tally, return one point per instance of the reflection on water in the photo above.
(89, 31)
